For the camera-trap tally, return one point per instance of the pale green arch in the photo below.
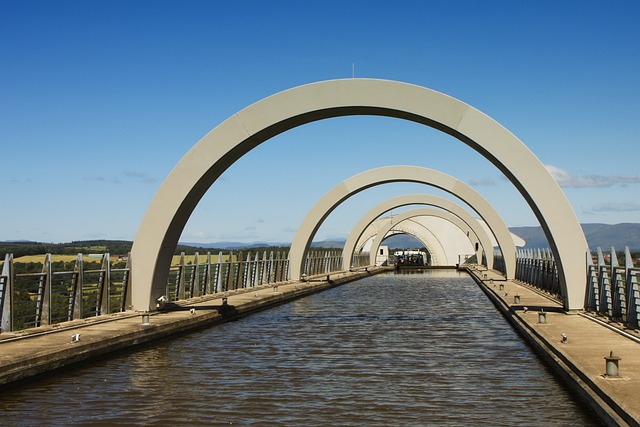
(181, 191)
(420, 199)
(390, 174)
(405, 216)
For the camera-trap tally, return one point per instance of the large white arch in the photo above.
(387, 174)
(181, 191)
(438, 227)
(430, 239)
(406, 216)
(447, 232)
(421, 199)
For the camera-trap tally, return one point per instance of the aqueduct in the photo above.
(179, 194)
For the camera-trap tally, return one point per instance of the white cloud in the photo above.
(142, 177)
(565, 179)
(100, 179)
(616, 207)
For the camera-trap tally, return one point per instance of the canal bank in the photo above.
(577, 346)
(28, 354)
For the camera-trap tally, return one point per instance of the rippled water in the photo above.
(410, 350)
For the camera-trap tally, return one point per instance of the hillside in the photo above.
(598, 235)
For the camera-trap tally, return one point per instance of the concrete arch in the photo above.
(312, 222)
(427, 238)
(424, 235)
(421, 199)
(405, 216)
(415, 226)
(181, 191)
(445, 231)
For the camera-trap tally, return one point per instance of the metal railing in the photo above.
(30, 300)
(612, 290)
(48, 297)
(228, 272)
(322, 262)
(361, 259)
(537, 267)
(498, 261)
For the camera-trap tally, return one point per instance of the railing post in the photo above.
(6, 295)
(593, 296)
(194, 289)
(180, 292)
(240, 271)
(75, 299)
(286, 267)
(248, 278)
(254, 275)
(618, 308)
(604, 285)
(206, 288)
(105, 286)
(43, 315)
(126, 291)
(633, 291)
(229, 282)
(219, 275)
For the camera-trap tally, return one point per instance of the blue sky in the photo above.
(100, 99)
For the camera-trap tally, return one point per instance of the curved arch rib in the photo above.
(430, 200)
(179, 194)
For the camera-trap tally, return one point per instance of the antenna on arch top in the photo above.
(353, 70)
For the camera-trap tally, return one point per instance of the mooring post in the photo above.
(612, 365)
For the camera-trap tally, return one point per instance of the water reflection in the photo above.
(417, 349)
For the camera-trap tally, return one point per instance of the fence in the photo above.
(48, 297)
(612, 290)
(197, 278)
(361, 259)
(30, 300)
(537, 267)
(322, 262)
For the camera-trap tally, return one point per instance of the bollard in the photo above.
(485, 276)
(491, 281)
(501, 287)
(516, 299)
(75, 338)
(542, 317)
(145, 319)
(612, 368)
(564, 338)
(224, 298)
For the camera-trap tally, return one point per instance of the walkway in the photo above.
(581, 357)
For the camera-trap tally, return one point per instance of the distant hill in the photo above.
(598, 235)
(233, 245)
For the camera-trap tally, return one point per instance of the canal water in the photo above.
(396, 349)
